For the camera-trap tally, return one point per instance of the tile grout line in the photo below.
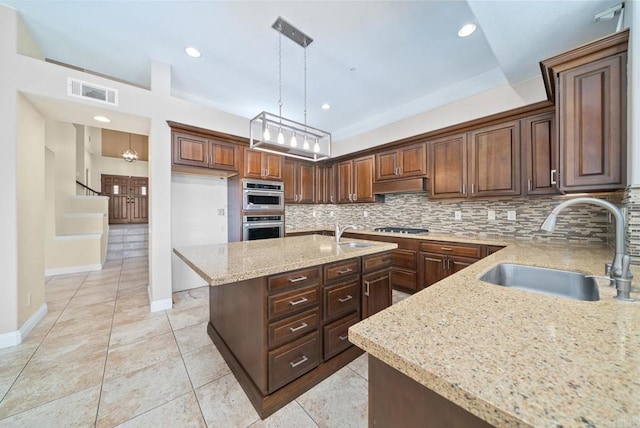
(306, 412)
(106, 357)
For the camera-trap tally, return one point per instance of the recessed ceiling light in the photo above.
(467, 30)
(193, 52)
(326, 106)
(102, 119)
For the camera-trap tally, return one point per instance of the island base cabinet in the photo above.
(396, 400)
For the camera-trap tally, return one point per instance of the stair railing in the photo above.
(88, 190)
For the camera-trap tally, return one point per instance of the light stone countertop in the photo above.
(237, 261)
(513, 357)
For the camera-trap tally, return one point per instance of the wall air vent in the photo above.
(91, 91)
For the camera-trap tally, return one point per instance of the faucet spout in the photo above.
(340, 231)
(619, 268)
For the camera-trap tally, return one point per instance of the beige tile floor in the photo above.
(100, 358)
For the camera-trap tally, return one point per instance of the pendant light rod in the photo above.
(291, 32)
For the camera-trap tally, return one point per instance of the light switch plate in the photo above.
(366, 214)
(491, 215)
(457, 215)
(330, 213)
(511, 215)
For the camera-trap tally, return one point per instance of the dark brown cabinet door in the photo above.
(345, 181)
(376, 292)
(363, 179)
(299, 182)
(592, 117)
(289, 179)
(326, 184)
(413, 160)
(433, 268)
(190, 150)
(494, 160)
(267, 166)
(540, 154)
(387, 165)
(456, 264)
(223, 155)
(128, 198)
(448, 167)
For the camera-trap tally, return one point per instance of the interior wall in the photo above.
(80, 158)
(31, 231)
(195, 203)
(60, 138)
(49, 204)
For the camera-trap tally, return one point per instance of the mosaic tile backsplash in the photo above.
(631, 201)
(580, 224)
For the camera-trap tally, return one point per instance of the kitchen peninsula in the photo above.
(280, 308)
(470, 353)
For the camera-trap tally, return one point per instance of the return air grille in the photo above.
(91, 91)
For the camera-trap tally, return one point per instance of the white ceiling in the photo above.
(374, 61)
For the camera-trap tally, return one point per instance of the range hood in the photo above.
(407, 185)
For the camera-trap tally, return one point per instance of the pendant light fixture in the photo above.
(316, 144)
(130, 155)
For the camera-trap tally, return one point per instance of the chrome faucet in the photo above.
(619, 272)
(340, 231)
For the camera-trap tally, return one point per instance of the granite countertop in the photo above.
(513, 357)
(236, 261)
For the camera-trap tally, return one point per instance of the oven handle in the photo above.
(259, 224)
(264, 192)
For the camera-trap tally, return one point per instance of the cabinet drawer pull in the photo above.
(331, 198)
(529, 184)
(300, 327)
(297, 302)
(446, 248)
(464, 189)
(355, 196)
(304, 359)
(301, 278)
(448, 264)
(343, 271)
(553, 176)
(473, 188)
(345, 337)
(366, 288)
(346, 299)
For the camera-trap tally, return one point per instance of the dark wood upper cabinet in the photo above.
(588, 85)
(494, 160)
(266, 166)
(355, 180)
(192, 150)
(448, 167)
(540, 155)
(404, 162)
(299, 182)
(592, 112)
(326, 184)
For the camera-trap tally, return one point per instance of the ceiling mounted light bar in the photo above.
(275, 133)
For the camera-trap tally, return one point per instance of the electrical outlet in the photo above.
(313, 213)
(511, 215)
(491, 215)
(221, 211)
(366, 214)
(330, 213)
(457, 215)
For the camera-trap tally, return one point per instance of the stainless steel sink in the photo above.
(563, 283)
(354, 244)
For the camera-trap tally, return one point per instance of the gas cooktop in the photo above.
(408, 230)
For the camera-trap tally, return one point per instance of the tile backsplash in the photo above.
(578, 224)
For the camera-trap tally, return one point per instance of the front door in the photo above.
(128, 198)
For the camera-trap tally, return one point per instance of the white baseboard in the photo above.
(16, 337)
(72, 269)
(159, 305)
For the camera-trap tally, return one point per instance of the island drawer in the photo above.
(293, 360)
(376, 261)
(291, 328)
(297, 278)
(453, 249)
(342, 298)
(292, 301)
(336, 335)
(341, 269)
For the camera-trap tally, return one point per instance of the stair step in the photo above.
(79, 236)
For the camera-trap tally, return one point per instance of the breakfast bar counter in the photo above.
(513, 357)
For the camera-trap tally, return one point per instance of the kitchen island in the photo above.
(484, 353)
(280, 308)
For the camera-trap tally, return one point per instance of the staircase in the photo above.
(78, 242)
(128, 240)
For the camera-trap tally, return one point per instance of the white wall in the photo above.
(60, 138)
(496, 100)
(195, 220)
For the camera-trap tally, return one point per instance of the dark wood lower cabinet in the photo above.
(396, 400)
(285, 333)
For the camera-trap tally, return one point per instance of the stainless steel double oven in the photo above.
(263, 209)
